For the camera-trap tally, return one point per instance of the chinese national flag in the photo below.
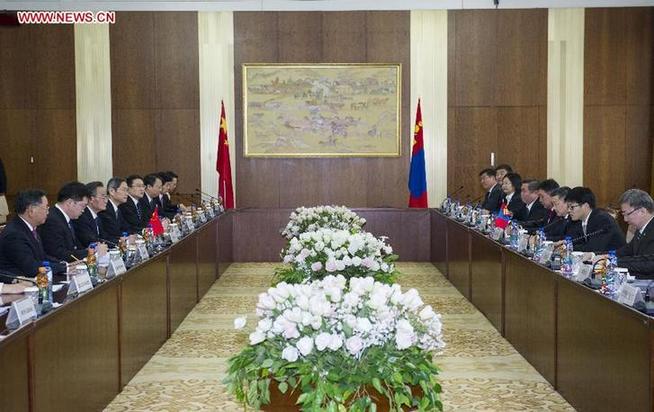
(417, 173)
(155, 222)
(223, 167)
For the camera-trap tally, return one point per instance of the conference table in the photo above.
(596, 352)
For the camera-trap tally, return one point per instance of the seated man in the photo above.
(494, 194)
(151, 199)
(593, 229)
(111, 218)
(532, 215)
(501, 171)
(637, 208)
(21, 250)
(164, 197)
(134, 220)
(57, 233)
(560, 226)
(87, 226)
(545, 189)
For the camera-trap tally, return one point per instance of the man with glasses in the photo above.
(493, 195)
(559, 227)
(87, 226)
(21, 249)
(593, 230)
(111, 218)
(134, 219)
(637, 209)
(57, 233)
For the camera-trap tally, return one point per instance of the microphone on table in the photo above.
(589, 235)
(17, 277)
(206, 194)
(456, 191)
(109, 242)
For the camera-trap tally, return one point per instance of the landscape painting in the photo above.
(322, 110)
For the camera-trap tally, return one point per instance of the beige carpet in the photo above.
(480, 370)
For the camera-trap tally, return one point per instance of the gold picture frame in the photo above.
(322, 110)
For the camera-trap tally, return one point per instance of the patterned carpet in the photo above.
(480, 370)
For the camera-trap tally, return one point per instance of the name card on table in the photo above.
(22, 311)
(79, 284)
(174, 236)
(546, 256)
(143, 251)
(582, 272)
(116, 266)
(629, 295)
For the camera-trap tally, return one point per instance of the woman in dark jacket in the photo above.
(512, 203)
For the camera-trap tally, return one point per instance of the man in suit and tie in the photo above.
(151, 199)
(559, 227)
(533, 213)
(87, 226)
(493, 195)
(501, 171)
(134, 219)
(111, 219)
(57, 233)
(545, 189)
(164, 197)
(21, 249)
(637, 208)
(593, 230)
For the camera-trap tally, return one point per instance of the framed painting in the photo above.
(321, 110)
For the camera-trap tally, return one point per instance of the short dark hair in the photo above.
(27, 198)
(488, 172)
(165, 177)
(638, 198)
(561, 192)
(548, 186)
(515, 179)
(73, 190)
(172, 174)
(532, 184)
(92, 187)
(504, 166)
(131, 178)
(114, 183)
(151, 179)
(581, 195)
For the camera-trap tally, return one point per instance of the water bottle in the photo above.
(48, 269)
(538, 247)
(514, 236)
(566, 262)
(609, 279)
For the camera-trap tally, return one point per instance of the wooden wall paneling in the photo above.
(458, 257)
(474, 60)
(439, 241)
(344, 37)
(183, 281)
(487, 279)
(207, 258)
(604, 151)
(519, 138)
(256, 234)
(255, 41)
(134, 142)
(638, 148)
(56, 148)
(144, 318)
(300, 37)
(605, 53)
(178, 145)
(132, 65)
(521, 61)
(639, 55)
(80, 343)
(52, 52)
(15, 68)
(225, 243)
(408, 231)
(17, 147)
(14, 386)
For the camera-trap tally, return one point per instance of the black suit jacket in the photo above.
(86, 229)
(57, 238)
(516, 205)
(558, 228)
(534, 218)
(167, 208)
(147, 208)
(638, 255)
(493, 199)
(21, 253)
(612, 237)
(112, 223)
(3, 178)
(133, 222)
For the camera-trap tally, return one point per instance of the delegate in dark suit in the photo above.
(558, 228)
(631, 256)
(167, 208)
(111, 222)
(86, 228)
(21, 253)
(605, 234)
(59, 239)
(131, 216)
(516, 204)
(493, 199)
(147, 208)
(532, 218)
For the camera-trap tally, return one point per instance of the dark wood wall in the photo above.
(497, 94)
(37, 106)
(155, 95)
(322, 37)
(618, 100)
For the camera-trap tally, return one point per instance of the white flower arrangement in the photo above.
(314, 255)
(334, 339)
(340, 314)
(309, 219)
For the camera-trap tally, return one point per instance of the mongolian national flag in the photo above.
(417, 174)
(503, 219)
(155, 223)
(223, 167)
